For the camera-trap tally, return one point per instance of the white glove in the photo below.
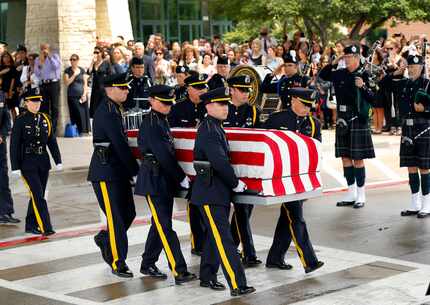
(16, 173)
(185, 183)
(59, 167)
(134, 180)
(241, 187)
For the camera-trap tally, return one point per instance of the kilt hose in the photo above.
(356, 144)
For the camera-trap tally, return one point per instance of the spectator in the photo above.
(99, 68)
(266, 40)
(76, 81)
(139, 52)
(29, 79)
(207, 66)
(130, 45)
(3, 47)
(273, 61)
(279, 51)
(189, 58)
(48, 71)
(162, 67)
(231, 55)
(8, 76)
(257, 56)
(118, 62)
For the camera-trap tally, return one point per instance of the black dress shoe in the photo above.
(184, 277)
(281, 265)
(4, 219)
(242, 290)
(422, 214)
(196, 252)
(358, 205)
(409, 213)
(345, 203)
(249, 262)
(313, 268)
(153, 271)
(123, 272)
(35, 231)
(214, 285)
(48, 232)
(12, 219)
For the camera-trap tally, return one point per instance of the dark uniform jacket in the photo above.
(211, 145)
(186, 114)
(246, 116)
(409, 90)
(217, 81)
(138, 90)
(5, 123)
(288, 120)
(346, 91)
(180, 93)
(108, 130)
(165, 174)
(31, 134)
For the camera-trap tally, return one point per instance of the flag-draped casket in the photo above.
(272, 163)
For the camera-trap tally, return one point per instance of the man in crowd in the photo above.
(139, 52)
(219, 79)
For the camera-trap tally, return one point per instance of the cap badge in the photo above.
(416, 60)
(182, 69)
(201, 77)
(354, 49)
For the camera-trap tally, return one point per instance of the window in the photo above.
(189, 10)
(3, 20)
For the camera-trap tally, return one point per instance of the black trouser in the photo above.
(219, 247)
(162, 236)
(79, 114)
(37, 212)
(292, 226)
(6, 202)
(198, 234)
(51, 100)
(117, 203)
(241, 229)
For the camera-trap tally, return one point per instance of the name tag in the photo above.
(409, 122)
(342, 108)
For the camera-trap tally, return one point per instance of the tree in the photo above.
(323, 17)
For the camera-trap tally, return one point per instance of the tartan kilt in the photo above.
(357, 143)
(419, 154)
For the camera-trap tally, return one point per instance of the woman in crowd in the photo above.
(118, 62)
(257, 56)
(189, 58)
(162, 67)
(99, 68)
(8, 75)
(272, 60)
(76, 79)
(28, 77)
(207, 67)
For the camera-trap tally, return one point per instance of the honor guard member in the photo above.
(415, 141)
(188, 113)
(182, 73)
(6, 201)
(291, 223)
(160, 177)
(212, 193)
(31, 134)
(243, 115)
(111, 172)
(290, 79)
(139, 84)
(219, 79)
(353, 136)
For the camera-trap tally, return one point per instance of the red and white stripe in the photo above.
(273, 162)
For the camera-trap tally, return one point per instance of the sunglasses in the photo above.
(96, 52)
(158, 53)
(389, 49)
(73, 59)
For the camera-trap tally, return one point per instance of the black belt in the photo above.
(35, 150)
(49, 81)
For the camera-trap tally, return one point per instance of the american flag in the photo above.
(270, 162)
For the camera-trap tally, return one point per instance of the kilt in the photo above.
(357, 143)
(417, 155)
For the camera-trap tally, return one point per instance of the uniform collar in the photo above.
(211, 118)
(158, 114)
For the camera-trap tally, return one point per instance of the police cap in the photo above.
(415, 60)
(136, 61)
(196, 80)
(241, 82)
(219, 95)
(304, 95)
(163, 93)
(182, 69)
(290, 57)
(222, 60)
(116, 80)
(352, 49)
(33, 95)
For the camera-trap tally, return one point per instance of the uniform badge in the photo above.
(416, 60)
(36, 91)
(201, 77)
(353, 49)
(183, 69)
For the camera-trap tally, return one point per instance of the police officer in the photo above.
(139, 85)
(111, 169)
(182, 72)
(241, 114)
(353, 136)
(212, 192)
(219, 79)
(188, 113)
(415, 143)
(31, 133)
(6, 201)
(291, 78)
(160, 177)
(291, 224)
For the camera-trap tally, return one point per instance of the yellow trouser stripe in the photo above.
(163, 238)
(220, 247)
(193, 246)
(299, 250)
(238, 232)
(111, 227)
(33, 203)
